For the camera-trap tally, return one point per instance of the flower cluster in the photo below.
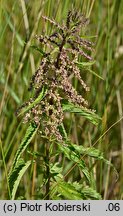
(63, 47)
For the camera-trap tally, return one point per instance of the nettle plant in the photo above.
(53, 96)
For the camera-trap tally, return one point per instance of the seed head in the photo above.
(64, 46)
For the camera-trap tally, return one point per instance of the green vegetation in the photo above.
(79, 155)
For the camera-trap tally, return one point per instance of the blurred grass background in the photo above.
(20, 21)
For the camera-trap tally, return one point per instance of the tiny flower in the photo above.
(64, 47)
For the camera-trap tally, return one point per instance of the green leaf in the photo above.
(55, 168)
(30, 132)
(63, 131)
(90, 193)
(37, 100)
(91, 116)
(73, 156)
(68, 191)
(13, 175)
(97, 75)
(16, 176)
(88, 37)
(87, 65)
(92, 152)
(74, 191)
(38, 49)
(54, 190)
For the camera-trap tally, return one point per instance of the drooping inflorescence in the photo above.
(63, 47)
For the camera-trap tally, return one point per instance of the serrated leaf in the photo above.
(13, 175)
(73, 156)
(68, 191)
(92, 152)
(91, 116)
(74, 191)
(90, 193)
(16, 176)
(55, 168)
(37, 100)
(30, 132)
